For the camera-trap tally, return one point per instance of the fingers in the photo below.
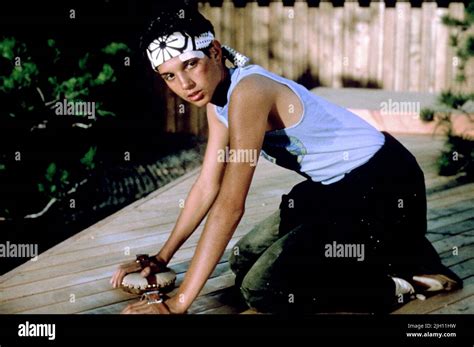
(133, 308)
(122, 271)
(142, 307)
(145, 272)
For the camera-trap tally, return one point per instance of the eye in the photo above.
(168, 77)
(191, 63)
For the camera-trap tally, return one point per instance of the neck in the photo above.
(219, 97)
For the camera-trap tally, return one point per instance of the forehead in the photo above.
(170, 65)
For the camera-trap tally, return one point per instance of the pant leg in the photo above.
(295, 274)
(249, 248)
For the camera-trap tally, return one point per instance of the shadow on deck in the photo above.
(73, 277)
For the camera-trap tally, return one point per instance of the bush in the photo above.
(458, 156)
(44, 127)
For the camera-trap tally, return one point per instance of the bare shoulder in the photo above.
(256, 87)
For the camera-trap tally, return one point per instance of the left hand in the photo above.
(150, 303)
(143, 307)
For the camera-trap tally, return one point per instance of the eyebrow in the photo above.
(182, 64)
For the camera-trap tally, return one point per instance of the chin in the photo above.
(201, 103)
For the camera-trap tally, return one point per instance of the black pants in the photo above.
(339, 244)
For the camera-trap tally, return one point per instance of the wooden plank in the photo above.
(116, 254)
(325, 43)
(240, 34)
(462, 254)
(95, 287)
(468, 189)
(457, 207)
(227, 23)
(402, 25)
(465, 196)
(276, 42)
(440, 50)
(260, 34)
(89, 302)
(288, 44)
(376, 41)
(460, 240)
(389, 48)
(103, 222)
(427, 45)
(313, 42)
(362, 44)
(300, 38)
(414, 78)
(464, 306)
(464, 269)
(434, 237)
(211, 285)
(452, 219)
(119, 252)
(338, 48)
(438, 301)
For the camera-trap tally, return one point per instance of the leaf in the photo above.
(88, 159)
(82, 62)
(105, 113)
(53, 188)
(51, 42)
(105, 75)
(6, 48)
(41, 187)
(51, 171)
(115, 47)
(64, 176)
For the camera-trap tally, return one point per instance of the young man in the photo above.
(352, 236)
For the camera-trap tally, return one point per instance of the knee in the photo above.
(255, 296)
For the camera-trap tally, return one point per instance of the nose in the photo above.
(185, 81)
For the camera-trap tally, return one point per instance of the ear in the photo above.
(216, 50)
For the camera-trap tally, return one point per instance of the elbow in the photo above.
(230, 208)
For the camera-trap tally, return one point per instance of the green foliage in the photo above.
(34, 76)
(56, 181)
(115, 47)
(427, 114)
(458, 157)
(88, 159)
(461, 39)
(454, 100)
(459, 154)
(24, 81)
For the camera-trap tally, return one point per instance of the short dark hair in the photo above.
(171, 19)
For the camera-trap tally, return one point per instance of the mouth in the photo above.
(196, 96)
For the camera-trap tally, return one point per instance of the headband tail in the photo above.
(236, 58)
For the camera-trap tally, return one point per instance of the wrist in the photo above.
(160, 258)
(175, 306)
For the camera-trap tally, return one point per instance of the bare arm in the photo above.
(198, 202)
(203, 192)
(249, 106)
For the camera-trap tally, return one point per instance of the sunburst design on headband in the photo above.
(165, 44)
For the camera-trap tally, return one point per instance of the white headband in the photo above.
(167, 47)
(182, 45)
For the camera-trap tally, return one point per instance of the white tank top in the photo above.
(327, 142)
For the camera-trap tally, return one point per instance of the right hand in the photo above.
(129, 267)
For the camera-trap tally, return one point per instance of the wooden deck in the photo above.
(73, 277)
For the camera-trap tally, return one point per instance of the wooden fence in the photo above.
(401, 47)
